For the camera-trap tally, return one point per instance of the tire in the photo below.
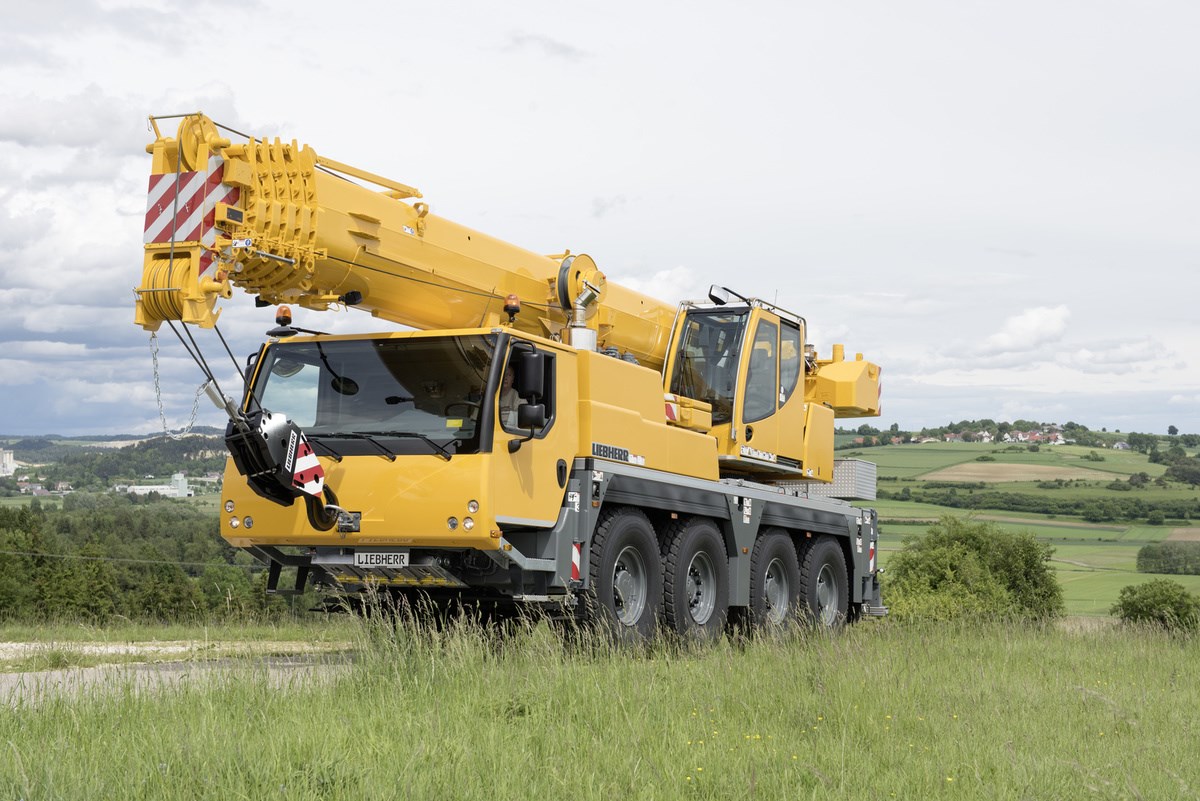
(825, 584)
(695, 579)
(625, 575)
(775, 582)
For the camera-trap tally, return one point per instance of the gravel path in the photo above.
(282, 664)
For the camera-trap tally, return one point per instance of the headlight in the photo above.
(228, 506)
(234, 522)
(248, 522)
(472, 507)
(468, 524)
(452, 523)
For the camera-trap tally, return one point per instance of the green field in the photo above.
(912, 461)
(1094, 560)
(878, 711)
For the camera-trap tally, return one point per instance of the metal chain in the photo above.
(158, 395)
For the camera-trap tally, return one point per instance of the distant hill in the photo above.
(46, 448)
(98, 464)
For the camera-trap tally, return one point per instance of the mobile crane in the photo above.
(541, 437)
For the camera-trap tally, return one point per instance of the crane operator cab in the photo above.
(773, 402)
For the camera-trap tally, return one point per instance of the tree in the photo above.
(1186, 471)
(1172, 431)
(1161, 602)
(1143, 443)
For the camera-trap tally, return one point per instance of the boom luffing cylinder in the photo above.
(287, 225)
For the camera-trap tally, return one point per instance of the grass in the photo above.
(881, 710)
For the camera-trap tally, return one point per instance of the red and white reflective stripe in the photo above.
(672, 408)
(575, 562)
(871, 559)
(182, 207)
(308, 476)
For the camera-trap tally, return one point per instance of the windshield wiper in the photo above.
(441, 450)
(383, 450)
(316, 440)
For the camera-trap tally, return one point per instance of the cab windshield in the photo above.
(387, 395)
(707, 360)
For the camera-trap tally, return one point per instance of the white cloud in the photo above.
(45, 349)
(87, 119)
(1125, 357)
(671, 285)
(1030, 329)
(548, 46)
(603, 205)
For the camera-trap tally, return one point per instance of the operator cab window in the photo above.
(707, 360)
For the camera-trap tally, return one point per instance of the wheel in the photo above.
(774, 580)
(825, 583)
(625, 574)
(695, 579)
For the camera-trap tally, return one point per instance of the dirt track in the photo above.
(1186, 534)
(1017, 520)
(146, 666)
(996, 472)
(35, 687)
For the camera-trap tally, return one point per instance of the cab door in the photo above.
(528, 481)
(770, 409)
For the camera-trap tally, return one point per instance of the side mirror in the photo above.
(531, 416)
(529, 377)
(720, 295)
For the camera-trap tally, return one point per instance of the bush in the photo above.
(964, 568)
(1161, 602)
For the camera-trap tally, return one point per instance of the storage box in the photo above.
(853, 480)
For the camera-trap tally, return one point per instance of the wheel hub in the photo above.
(828, 601)
(776, 591)
(701, 588)
(630, 586)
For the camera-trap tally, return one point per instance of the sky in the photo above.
(996, 202)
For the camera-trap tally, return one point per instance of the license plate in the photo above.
(385, 559)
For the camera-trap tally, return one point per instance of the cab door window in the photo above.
(762, 386)
(791, 351)
(508, 397)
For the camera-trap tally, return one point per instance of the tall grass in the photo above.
(462, 712)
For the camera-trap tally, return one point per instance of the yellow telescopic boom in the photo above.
(290, 226)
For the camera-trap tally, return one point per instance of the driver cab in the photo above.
(746, 359)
